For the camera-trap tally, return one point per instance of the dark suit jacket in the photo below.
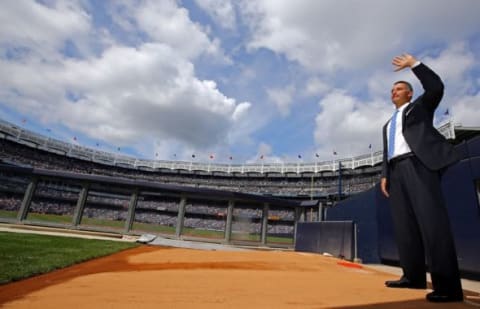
(428, 145)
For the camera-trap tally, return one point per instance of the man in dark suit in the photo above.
(414, 155)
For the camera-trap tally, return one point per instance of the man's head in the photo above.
(402, 93)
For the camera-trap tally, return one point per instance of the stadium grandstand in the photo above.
(45, 181)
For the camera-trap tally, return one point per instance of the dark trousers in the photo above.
(421, 225)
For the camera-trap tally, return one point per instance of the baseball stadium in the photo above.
(216, 235)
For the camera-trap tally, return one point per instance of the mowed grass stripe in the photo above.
(146, 227)
(25, 255)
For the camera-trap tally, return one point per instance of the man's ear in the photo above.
(410, 95)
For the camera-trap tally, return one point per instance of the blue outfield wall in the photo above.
(370, 210)
(332, 237)
(362, 210)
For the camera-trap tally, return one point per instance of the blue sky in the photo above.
(168, 79)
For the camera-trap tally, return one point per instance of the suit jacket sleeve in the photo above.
(432, 84)
(428, 145)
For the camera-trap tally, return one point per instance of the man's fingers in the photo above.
(385, 192)
(383, 187)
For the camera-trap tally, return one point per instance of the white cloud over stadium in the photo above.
(171, 78)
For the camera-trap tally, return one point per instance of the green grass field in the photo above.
(25, 255)
(8, 214)
(144, 227)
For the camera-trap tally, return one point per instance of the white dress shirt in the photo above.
(401, 147)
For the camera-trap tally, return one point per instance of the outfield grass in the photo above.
(146, 227)
(32, 216)
(25, 255)
(8, 213)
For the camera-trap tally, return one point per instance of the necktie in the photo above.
(391, 134)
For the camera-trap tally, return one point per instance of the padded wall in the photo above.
(333, 237)
(362, 210)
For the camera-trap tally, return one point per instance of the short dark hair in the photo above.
(409, 86)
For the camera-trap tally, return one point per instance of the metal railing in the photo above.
(29, 138)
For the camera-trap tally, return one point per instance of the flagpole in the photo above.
(371, 154)
(191, 163)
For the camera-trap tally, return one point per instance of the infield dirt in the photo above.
(156, 277)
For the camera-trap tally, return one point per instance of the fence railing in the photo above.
(23, 136)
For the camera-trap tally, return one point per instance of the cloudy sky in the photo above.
(167, 79)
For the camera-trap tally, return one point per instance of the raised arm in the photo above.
(431, 82)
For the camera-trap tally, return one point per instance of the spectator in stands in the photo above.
(414, 155)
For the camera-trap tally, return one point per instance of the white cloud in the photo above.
(282, 98)
(221, 11)
(316, 86)
(264, 155)
(165, 22)
(327, 36)
(241, 110)
(348, 125)
(27, 23)
(125, 94)
(453, 65)
(45, 32)
(466, 110)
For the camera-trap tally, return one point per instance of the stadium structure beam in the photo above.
(27, 199)
(181, 217)
(296, 219)
(82, 198)
(131, 210)
(264, 224)
(228, 226)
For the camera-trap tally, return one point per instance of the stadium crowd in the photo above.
(60, 198)
(289, 185)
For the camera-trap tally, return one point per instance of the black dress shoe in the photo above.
(438, 297)
(405, 283)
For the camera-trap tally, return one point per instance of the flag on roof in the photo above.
(446, 112)
(334, 153)
(193, 155)
(299, 156)
(261, 157)
(316, 155)
(211, 156)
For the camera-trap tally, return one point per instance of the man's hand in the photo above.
(383, 186)
(403, 61)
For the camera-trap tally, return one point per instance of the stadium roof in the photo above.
(464, 133)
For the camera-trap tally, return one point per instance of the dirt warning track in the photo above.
(156, 277)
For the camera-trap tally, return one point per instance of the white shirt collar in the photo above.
(401, 108)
